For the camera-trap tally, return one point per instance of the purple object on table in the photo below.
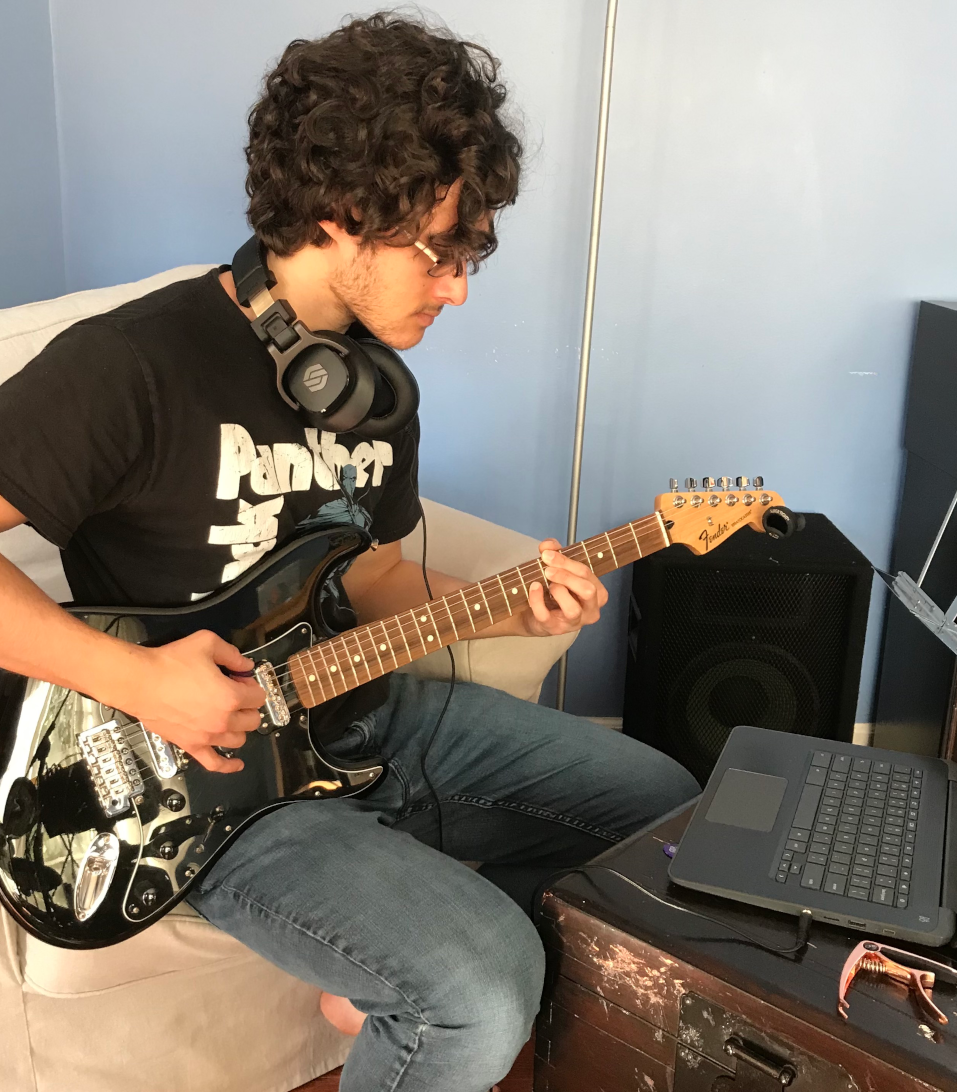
(669, 849)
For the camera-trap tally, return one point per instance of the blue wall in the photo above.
(780, 191)
(31, 228)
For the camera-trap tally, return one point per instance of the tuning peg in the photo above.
(724, 483)
(743, 483)
(673, 485)
(691, 484)
(759, 483)
(707, 483)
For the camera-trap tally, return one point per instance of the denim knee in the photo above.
(495, 994)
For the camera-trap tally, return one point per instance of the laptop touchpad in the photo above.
(746, 799)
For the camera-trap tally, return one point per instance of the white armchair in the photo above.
(183, 1005)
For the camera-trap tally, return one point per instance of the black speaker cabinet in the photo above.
(758, 631)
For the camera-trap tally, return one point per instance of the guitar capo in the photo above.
(917, 974)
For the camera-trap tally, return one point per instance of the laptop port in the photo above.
(856, 924)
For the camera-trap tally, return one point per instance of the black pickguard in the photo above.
(175, 825)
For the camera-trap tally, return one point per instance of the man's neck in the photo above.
(303, 280)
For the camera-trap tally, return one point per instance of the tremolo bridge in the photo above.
(275, 712)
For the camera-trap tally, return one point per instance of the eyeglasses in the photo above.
(439, 267)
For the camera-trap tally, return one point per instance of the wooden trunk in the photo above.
(640, 996)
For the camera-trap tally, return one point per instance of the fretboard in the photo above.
(359, 655)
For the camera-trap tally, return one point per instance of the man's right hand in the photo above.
(180, 693)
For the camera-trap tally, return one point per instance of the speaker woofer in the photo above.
(732, 684)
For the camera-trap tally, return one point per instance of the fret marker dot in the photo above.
(421, 617)
(430, 637)
(477, 606)
(600, 554)
(514, 591)
(312, 678)
(333, 668)
(356, 658)
(382, 648)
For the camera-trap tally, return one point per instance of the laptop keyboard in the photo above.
(854, 830)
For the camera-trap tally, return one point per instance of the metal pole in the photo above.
(585, 358)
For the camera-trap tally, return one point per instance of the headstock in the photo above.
(703, 518)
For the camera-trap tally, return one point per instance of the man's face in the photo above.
(389, 289)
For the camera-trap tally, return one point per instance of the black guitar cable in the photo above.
(414, 482)
(448, 699)
(804, 921)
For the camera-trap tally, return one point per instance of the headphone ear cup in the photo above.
(316, 379)
(398, 405)
(334, 388)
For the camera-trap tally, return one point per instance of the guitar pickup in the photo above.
(276, 713)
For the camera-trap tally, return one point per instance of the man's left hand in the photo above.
(577, 593)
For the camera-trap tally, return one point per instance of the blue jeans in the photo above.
(353, 896)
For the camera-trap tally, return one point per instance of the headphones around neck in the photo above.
(337, 383)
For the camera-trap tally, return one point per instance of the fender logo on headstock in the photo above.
(709, 538)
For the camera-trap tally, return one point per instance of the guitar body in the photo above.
(84, 863)
(104, 826)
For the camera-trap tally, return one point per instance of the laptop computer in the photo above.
(861, 837)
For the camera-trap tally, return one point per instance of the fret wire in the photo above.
(505, 593)
(631, 527)
(404, 641)
(434, 626)
(315, 672)
(332, 674)
(335, 651)
(612, 548)
(468, 609)
(541, 565)
(455, 629)
(416, 624)
(388, 642)
(522, 578)
(312, 696)
(375, 649)
(588, 557)
(342, 637)
(661, 525)
(491, 617)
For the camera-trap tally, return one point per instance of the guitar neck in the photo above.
(359, 655)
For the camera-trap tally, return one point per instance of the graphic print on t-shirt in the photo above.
(284, 468)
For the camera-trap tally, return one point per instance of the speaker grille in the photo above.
(773, 641)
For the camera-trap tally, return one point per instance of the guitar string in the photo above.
(457, 612)
(629, 531)
(627, 536)
(624, 534)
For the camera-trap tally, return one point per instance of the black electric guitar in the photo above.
(105, 826)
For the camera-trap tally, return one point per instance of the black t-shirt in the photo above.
(151, 446)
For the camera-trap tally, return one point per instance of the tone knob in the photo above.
(174, 800)
(147, 895)
(168, 851)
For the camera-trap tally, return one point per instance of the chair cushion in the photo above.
(182, 941)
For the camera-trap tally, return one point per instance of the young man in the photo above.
(147, 442)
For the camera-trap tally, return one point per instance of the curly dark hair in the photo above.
(366, 126)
